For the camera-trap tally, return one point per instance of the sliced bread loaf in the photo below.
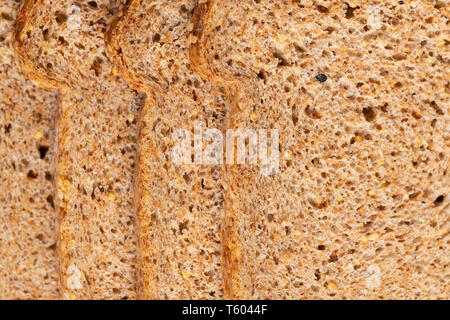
(61, 46)
(27, 215)
(179, 206)
(359, 92)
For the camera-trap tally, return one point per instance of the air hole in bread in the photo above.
(79, 46)
(93, 4)
(439, 200)
(299, 48)
(156, 37)
(282, 61)
(183, 226)
(45, 34)
(438, 110)
(43, 151)
(61, 40)
(60, 17)
(294, 114)
(333, 258)
(369, 114)
(330, 30)
(96, 66)
(317, 275)
(312, 112)
(32, 175)
(349, 11)
(48, 176)
(439, 4)
(262, 75)
(321, 8)
(6, 16)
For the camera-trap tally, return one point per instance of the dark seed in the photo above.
(321, 77)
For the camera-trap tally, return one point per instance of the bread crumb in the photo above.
(74, 280)
(371, 237)
(372, 193)
(253, 116)
(373, 280)
(130, 117)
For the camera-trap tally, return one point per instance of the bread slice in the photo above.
(61, 46)
(359, 92)
(179, 206)
(27, 216)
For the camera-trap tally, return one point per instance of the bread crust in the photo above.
(179, 207)
(60, 46)
(27, 215)
(286, 233)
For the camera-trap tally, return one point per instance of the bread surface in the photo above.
(179, 206)
(27, 215)
(360, 207)
(61, 46)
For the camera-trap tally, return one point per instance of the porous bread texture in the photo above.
(61, 46)
(27, 215)
(179, 207)
(360, 208)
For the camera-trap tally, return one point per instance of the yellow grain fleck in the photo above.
(38, 135)
(112, 196)
(253, 116)
(64, 185)
(332, 286)
(186, 274)
(359, 139)
(130, 117)
(297, 233)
